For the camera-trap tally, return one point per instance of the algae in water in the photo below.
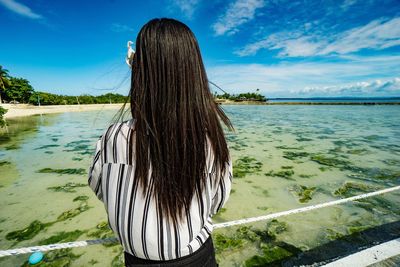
(57, 258)
(223, 242)
(270, 254)
(81, 198)
(47, 146)
(303, 192)
(74, 212)
(62, 237)
(350, 189)
(118, 260)
(285, 173)
(328, 161)
(293, 155)
(265, 240)
(67, 188)
(102, 230)
(246, 165)
(27, 233)
(4, 162)
(79, 171)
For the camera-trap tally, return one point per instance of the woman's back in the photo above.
(133, 214)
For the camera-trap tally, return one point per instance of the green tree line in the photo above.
(19, 90)
(53, 99)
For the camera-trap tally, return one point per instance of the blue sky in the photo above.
(284, 48)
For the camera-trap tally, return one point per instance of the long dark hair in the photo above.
(174, 113)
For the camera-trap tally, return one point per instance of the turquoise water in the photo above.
(284, 157)
(338, 99)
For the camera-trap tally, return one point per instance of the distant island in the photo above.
(242, 98)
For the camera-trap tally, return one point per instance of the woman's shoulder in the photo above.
(119, 129)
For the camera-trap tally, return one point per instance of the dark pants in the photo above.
(203, 257)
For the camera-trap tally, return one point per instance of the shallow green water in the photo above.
(284, 157)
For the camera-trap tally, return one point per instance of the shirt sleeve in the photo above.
(94, 179)
(223, 189)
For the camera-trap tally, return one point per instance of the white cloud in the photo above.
(187, 7)
(20, 9)
(378, 34)
(238, 13)
(366, 88)
(288, 79)
(289, 44)
(348, 3)
(116, 27)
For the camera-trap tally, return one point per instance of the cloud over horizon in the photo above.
(375, 88)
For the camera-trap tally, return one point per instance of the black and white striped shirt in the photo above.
(133, 215)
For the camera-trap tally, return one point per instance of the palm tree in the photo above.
(3, 80)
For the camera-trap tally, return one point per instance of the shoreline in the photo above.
(23, 110)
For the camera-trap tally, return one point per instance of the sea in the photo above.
(284, 157)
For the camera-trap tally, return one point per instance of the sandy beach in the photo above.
(21, 110)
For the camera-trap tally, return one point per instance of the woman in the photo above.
(163, 174)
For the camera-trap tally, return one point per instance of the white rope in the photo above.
(18, 251)
(307, 208)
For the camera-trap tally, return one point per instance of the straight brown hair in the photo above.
(174, 113)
